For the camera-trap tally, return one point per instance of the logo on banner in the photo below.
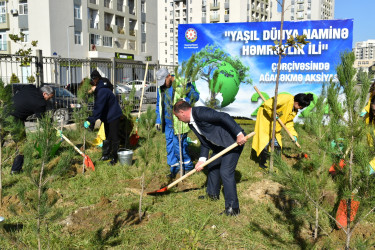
(191, 35)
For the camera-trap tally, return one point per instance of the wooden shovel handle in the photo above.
(143, 91)
(71, 143)
(279, 120)
(209, 161)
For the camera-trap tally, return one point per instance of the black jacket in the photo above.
(28, 100)
(218, 129)
(106, 106)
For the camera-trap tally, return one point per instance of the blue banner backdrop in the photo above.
(246, 49)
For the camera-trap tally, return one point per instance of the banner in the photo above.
(242, 56)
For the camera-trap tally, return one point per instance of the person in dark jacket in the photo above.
(108, 110)
(29, 100)
(216, 131)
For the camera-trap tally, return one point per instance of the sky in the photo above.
(363, 13)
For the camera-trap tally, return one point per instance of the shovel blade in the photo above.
(88, 163)
(134, 139)
(164, 189)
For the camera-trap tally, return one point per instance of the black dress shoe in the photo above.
(231, 211)
(105, 158)
(209, 196)
(171, 176)
(113, 162)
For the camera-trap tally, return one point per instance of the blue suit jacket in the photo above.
(217, 128)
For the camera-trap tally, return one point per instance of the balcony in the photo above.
(131, 45)
(226, 5)
(93, 25)
(300, 1)
(4, 21)
(108, 27)
(108, 4)
(93, 2)
(121, 30)
(214, 6)
(121, 7)
(300, 8)
(132, 32)
(214, 18)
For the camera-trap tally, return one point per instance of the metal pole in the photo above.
(67, 35)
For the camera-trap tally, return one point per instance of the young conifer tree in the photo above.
(352, 184)
(39, 150)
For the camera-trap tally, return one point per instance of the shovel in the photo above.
(164, 189)
(88, 162)
(135, 137)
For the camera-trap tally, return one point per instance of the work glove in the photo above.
(295, 138)
(157, 126)
(363, 113)
(372, 171)
(59, 134)
(188, 139)
(86, 124)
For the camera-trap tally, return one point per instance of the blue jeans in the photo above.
(173, 151)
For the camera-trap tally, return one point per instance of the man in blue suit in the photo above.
(216, 131)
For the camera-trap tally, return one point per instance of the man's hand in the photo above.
(157, 126)
(241, 139)
(198, 166)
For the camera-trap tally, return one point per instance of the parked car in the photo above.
(137, 84)
(149, 95)
(64, 103)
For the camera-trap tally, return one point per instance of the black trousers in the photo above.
(224, 168)
(112, 134)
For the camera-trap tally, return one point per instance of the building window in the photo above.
(95, 39)
(107, 41)
(166, 52)
(143, 47)
(23, 7)
(165, 35)
(3, 11)
(143, 27)
(77, 11)
(203, 13)
(171, 30)
(77, 37)
(143, 7)
(191, 10)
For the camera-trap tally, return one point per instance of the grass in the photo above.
(100, 209)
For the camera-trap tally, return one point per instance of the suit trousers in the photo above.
(224, 168)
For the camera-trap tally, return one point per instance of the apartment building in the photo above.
(364, 55)
(81, 29)
(301, 10)
(171, 13)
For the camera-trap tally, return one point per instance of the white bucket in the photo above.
(125, 156)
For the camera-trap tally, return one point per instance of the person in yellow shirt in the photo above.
(370, 119)
(287, 108)
(366, 110)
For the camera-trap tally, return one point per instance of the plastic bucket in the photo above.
(125, 156)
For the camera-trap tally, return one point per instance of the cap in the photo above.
(95, 74)
(161, 74)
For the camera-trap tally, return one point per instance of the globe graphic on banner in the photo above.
(228, 83)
